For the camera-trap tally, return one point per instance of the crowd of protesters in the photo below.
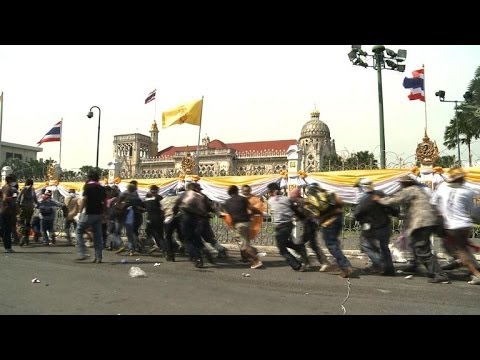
(179, 223)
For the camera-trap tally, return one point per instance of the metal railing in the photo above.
(349, 237)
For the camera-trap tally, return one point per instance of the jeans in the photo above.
(190, 230)
(420, 243)
(380, 256)
(93, 221)
(283, 233)
(330, 236)
(47, 228)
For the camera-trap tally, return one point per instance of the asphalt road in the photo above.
(68, 287)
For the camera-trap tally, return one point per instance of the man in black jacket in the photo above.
(376, 228)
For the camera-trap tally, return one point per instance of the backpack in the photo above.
(118, 209)
(26, 198)
(319, 201)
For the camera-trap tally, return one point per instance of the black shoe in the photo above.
(411, 268)
(388, 273)
(371, 269)
(439, 279)
(221, 253)
(199, 263)
(209, 257)
(181, 250)
(452, 265)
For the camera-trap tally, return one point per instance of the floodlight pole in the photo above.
(380, 110)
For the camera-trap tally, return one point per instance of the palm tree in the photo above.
(467, 119)
(474, 88)
(467, 131)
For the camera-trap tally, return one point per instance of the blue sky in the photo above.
(251, 93)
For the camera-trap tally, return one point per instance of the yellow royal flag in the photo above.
(190, 113)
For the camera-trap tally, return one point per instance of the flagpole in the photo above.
(197, 160)
(1, 124)
(425, 95)
(155, 111)
(60, 155)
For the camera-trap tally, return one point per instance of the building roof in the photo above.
(254, 146)
(23, 147)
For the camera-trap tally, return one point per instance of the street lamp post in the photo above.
(90, 115)
(467, 96)
(359, 57)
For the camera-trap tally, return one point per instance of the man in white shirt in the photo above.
(455, 202)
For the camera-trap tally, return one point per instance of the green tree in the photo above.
(361, 160)
(331, 163)
(468, 130)
(446, 161)
(85, 169)
(467, 118)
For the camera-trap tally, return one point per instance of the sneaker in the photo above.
(371, 269)
(153, 249)
(475, 280)
(256, 265)
(199, 263)
(327, 267)
(122, 249)
(439, 279)
(348, 273)
(9, 251)
(301, 268)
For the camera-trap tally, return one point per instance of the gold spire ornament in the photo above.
(188, 164)
(427, 151)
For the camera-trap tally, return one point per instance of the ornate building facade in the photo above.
(137, 155)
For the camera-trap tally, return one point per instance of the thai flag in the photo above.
(416, 85)
(151, 96)
(55, 134)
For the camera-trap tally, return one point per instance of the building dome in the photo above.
(315, 127)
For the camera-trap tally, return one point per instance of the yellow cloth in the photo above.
(190, 113)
